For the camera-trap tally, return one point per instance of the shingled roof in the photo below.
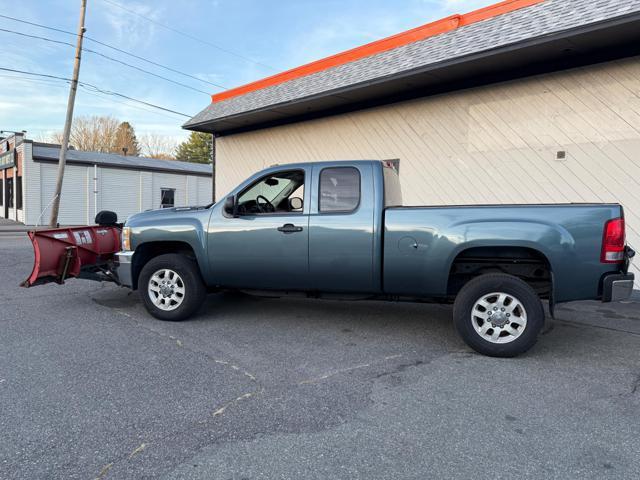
(515, 32)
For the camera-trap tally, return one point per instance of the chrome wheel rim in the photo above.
(166, 289)
(499, 317)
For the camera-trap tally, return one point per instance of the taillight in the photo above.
(613, 241)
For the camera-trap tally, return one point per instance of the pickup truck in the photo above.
(339, 229)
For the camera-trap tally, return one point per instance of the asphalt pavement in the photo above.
(265, 388)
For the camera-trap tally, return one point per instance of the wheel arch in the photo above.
(527, 262)
(148, 250)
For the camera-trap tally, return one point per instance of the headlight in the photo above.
(126, 239)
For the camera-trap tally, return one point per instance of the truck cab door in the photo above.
(265, 245)
(342, 234)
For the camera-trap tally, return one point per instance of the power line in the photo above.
(102, 96)
(151, 62)
(56, 83)
(47, 81)
(188, 35)
(36, 36)
(91, 87)
(38, 25)
(51, 40)
(117, 94)
(148, 72)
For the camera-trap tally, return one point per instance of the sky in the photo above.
(225, 42)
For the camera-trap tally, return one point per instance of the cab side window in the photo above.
(281, 192)
(339, 189)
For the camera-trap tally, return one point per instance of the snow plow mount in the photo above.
(76, 252)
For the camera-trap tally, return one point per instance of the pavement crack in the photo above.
(348, 369)
(217, 412)
(137, 450)
(179, 343)
(220, 410)
(104, 471)
(600, 327)
(400, 368)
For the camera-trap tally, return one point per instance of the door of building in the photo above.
(8, 199)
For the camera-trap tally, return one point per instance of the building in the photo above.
(526, 101)
(92, 182)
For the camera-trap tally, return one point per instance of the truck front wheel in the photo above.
(498, 315)
(171, 287)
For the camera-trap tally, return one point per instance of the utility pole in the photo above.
(213, 167)
(67, 124)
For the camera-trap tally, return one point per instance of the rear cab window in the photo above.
(339, 190)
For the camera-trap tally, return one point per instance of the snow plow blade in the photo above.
(77, 252)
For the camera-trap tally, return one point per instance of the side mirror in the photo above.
(295, 203)
(230, 206)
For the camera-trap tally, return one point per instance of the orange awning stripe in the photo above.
(389, 43)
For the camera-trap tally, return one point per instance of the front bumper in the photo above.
(617, 287)
(123, 268)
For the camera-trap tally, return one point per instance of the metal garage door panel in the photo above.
(119, 191)
(204, 190)
(73, 203)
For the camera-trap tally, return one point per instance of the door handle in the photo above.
(289, 228)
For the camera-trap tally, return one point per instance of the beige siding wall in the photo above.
(494, 144)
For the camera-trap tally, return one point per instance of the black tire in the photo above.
(483, 285)
(194, 288)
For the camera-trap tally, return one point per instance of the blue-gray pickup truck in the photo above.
(339, 229)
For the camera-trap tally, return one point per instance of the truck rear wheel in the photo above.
(498, 315)
(171, 287)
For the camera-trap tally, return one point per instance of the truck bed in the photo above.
(420, 244)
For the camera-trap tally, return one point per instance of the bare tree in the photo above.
(109, 135)
(93, 134)
(157, 146)
(43, 137)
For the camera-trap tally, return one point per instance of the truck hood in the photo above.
(161, 213)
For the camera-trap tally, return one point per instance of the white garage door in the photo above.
(73, 203)
(119, 191)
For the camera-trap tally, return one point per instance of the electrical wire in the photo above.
(58, 84)
(98, 42)
(89, 86)
(36, 80)
(188, 35)
(51, 40)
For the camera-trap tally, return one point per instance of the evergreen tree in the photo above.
(126, 138)
(196, 149)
